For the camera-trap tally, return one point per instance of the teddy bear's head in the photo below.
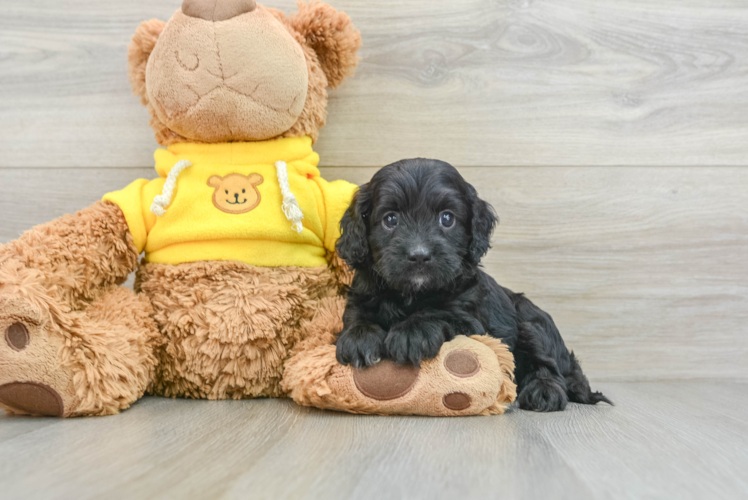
(232, 70)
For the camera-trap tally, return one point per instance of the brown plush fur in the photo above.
(110, 351)
(332, 36)
(71, 259)
(141, 46)
(343, 273)
(60, 278)
(229, 326)
(508, 392)
(99, 359)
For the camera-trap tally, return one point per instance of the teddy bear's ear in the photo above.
(332, 36)
(141, 46)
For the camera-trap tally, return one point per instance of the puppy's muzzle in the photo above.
(419, 255)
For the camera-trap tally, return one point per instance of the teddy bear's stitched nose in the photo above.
(217, 10)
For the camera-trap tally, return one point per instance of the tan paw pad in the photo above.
(385, 380)
(31, 398)
(457, 401)
(462, 363)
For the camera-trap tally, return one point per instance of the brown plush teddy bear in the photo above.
(240, 293)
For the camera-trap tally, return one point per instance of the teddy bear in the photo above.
(240, 293)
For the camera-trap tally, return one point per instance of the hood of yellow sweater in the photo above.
(227, 155)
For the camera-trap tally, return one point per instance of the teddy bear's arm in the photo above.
(135, 208)
(70, 259)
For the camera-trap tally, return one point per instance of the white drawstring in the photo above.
(290, 207)
(160, 202)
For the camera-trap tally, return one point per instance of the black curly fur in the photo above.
(404, 307)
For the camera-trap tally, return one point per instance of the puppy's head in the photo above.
(418, 225)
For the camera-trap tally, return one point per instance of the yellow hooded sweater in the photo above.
(262, 203)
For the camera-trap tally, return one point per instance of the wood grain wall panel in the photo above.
(474, 82)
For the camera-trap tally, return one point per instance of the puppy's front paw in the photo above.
(411, 342)
(360, 345)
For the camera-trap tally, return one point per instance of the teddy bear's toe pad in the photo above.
(462, 363)
(17, 336)
(457, 401)
(31, 398)
(386, 380)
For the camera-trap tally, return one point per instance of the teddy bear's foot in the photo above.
(62, 363)
(470, 376)
(32, 382)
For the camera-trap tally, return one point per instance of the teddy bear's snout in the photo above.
(217, 10)
(237, 201)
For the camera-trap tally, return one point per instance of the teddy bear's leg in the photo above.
(63, 319)
(470, 376)
(98, 362)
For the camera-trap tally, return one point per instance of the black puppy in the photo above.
(415, 235)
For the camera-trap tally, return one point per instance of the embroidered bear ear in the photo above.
(215, 181)
(141, 46)
(255, 179)
(332, 36)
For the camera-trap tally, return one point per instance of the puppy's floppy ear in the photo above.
(353, 245)
(332, 36)
(483, 223)
(141, 46)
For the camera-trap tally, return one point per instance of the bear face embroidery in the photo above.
(236, 193)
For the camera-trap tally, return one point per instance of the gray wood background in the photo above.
(610, 136)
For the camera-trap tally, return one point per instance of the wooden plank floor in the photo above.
(662, 440)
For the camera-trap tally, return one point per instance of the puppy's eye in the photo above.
(227, 191)
(446, 219)
(244, 190)
(389, 221)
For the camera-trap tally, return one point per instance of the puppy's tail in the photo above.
(578, 387)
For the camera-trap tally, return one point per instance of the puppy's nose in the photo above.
(419, 255)
(217, 10)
